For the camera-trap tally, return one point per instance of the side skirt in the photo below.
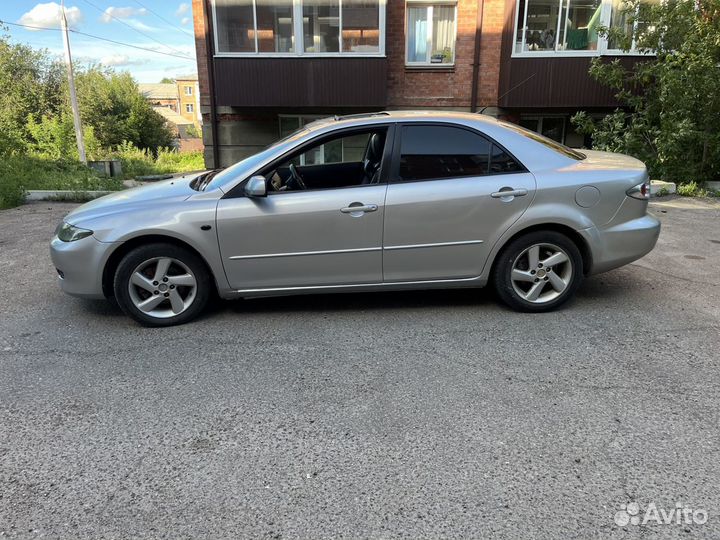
(360, 287)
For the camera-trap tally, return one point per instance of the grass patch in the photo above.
(136, 162)
(21, 173)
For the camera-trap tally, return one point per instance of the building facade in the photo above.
(188, 92)
(267, 68)
(178, 102)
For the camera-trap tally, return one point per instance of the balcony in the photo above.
(301, 81)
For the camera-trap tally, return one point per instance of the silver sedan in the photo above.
(385, 201)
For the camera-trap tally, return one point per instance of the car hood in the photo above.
(176, 189)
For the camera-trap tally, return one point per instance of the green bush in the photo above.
(688, 190)
(21, 173)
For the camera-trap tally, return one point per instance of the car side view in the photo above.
(383, 201)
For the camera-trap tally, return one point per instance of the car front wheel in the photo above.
(162, 285)
(538, 271)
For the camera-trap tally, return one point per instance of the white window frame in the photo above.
(602, 48)
(299, 36)
(189, 108)
(188, 90)
(429, 4)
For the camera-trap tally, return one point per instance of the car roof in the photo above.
(405, 116)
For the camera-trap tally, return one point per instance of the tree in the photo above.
(167, 80)
(31, 83)
(671, 99)
(112, 104)
(35, 107)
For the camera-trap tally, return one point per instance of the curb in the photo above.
(668, 188)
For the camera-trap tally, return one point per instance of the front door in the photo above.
(323, 228)
(444, 209)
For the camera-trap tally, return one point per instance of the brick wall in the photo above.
(446, 87)
(198, 9)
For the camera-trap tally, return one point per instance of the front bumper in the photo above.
(619, 244)
(80, 265)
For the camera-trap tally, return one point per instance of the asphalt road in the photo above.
(437, 414)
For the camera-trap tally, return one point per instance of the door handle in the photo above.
(359, 208)
(509, 192)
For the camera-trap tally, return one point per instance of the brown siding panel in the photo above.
(301, 82)
(555, 82)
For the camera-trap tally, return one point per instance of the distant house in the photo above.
(178, 123)
(188, 91)
(161, 95)
(178, 102)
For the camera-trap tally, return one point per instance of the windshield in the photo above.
(247, 165)
(553, 145)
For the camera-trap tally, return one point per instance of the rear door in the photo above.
(453, 192)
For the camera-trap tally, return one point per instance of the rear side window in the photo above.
(502, 162)
(435, 152)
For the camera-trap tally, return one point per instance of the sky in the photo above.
(159, 25)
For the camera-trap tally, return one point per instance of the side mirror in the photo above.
(256, 187)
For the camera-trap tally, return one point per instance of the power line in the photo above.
(97, 37)
(104, 12)
(163, 18)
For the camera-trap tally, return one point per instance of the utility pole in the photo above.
(71, 81)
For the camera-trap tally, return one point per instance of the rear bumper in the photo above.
(621, 243)
(80, 265)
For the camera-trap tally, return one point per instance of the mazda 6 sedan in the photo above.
(384, 201)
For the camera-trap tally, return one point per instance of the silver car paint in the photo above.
(425, 243)
(302, 238)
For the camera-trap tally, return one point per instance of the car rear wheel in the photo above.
(162, 285)
(538, 271)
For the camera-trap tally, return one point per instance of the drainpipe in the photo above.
(476, 58)
(211, 86)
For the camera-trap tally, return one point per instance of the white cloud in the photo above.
(48, 16)
(122, 60)
(182, 9)
(184, 21)
(121, 13)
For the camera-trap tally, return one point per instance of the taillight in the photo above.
(641, 191)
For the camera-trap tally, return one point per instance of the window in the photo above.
(435, 152)
(430, 33)
(339, 150)
(349, 159)
(189, 107)
(301, 27)
(502, 162)
(567, 26)
(188, 90)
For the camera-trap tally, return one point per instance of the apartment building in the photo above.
(268, 67)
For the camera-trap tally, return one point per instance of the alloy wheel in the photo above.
(541, 273)
(162, 287)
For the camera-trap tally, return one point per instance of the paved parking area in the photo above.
(437, 414)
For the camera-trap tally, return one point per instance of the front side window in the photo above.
(345, 160)
(189, 107)
(304, 27)
(438, 152)
(430, 33)
(188, 90)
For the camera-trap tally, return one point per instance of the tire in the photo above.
(536, 289)
(173, 292)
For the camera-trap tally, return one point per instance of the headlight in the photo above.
(70, 233)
